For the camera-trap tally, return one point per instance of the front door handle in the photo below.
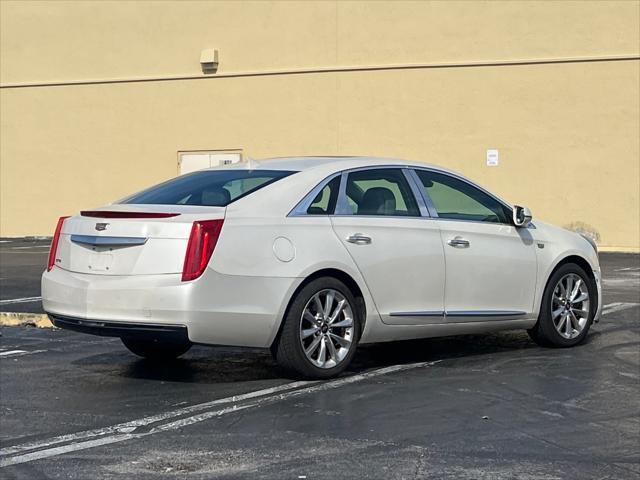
(359, 239)
(459, 242)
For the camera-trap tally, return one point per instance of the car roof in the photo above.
(325, 163)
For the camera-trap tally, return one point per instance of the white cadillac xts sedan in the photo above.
(311, 256)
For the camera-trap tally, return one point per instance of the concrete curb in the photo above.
(14, 319)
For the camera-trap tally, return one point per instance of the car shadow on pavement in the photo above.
(205, 365)
(211, 365)
(432, 349)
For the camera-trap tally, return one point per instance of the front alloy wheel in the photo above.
(567, 310)
(570, 306)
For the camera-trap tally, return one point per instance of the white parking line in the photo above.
(20, 300)
(617, 306)
(19, 353)
(11, 352)
(133, 424)
(127, 431)
(52, 452)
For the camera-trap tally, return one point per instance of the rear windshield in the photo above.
(212, 188)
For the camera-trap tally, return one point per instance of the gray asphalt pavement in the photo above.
(21, 265)
(477, 407)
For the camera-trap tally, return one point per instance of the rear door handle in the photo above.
(359, 239)
(459, 242)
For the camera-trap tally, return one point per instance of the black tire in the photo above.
(544, 332)
(154, 350)
(288, 349)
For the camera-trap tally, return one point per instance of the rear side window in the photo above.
(211, 188)
(325, 201)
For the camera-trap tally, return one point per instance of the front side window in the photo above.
(325, 201)
(458, 200)
(380, 191)
(211, 188)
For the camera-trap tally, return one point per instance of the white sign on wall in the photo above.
(492, 158)
(192, 161)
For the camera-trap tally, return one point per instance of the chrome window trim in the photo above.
(417, 195)
(422, 198)
(423, 193)
(342, 205)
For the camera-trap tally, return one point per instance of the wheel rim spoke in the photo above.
(309, 331)
(327, 328)
(563, 291)
(347, 322)
(569, 326)
(333, 354)
(569, 286)
(328, 302)
(337, 310)
(560, 325)
(576, 289)
(318, 303)
(581, 313)
(570, 306)
(581, 298)
(574, 321)
(322, 352)
(342, 341)
(313, 346)
(309, 317)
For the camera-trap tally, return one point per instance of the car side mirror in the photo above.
(521, 216)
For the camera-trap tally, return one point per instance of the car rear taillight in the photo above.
(54, 244)
(202, 241)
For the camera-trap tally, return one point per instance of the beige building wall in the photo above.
(97, 98)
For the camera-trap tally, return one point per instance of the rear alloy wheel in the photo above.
(326, 328)
(153, 350)
(567, 308)
(320, 330)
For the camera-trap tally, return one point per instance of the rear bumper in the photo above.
(215, 309)
(137, 331)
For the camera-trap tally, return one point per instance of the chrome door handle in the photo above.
(459, 242)
(359, 239)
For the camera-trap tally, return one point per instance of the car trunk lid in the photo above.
(130, 239)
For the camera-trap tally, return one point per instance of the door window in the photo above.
(380, 191)
(458, 200)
